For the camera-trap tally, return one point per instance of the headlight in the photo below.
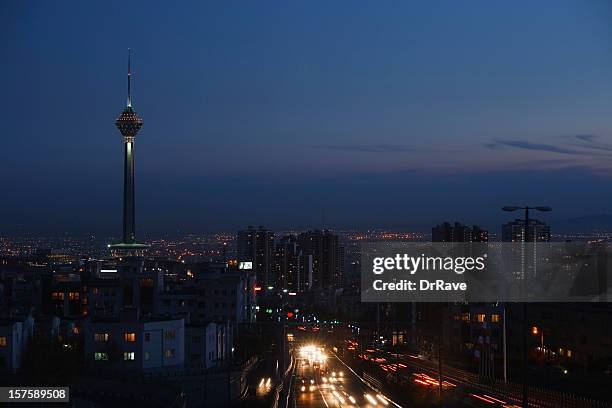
(303, 388)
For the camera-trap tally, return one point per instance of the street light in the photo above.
(535, 331)
(525, 325)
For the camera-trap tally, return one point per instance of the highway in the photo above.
(322, 380)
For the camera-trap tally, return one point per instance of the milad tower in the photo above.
(128, 123)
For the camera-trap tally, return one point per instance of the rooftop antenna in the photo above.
(129, 97)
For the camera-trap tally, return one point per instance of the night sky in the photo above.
(304, 114)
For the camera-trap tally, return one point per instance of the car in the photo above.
(307, 385)
(558, 369)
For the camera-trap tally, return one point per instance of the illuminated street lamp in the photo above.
(535, 331)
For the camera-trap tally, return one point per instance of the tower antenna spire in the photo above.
(129, 96)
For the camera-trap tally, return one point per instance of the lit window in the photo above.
(495, 318)
(465, 317)
(480, 317)
(129, 337)
(74, 295)
(57, 295)
(569, 353)
(170, 334)
(101, 337)
(76, 330)
(169, 353)
(128, 355)
(3, 341)
(100, 356)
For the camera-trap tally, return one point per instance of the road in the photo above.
(424, 372)
(331, 384)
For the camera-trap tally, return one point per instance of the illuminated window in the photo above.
(129, 337)
(100, 356)
(76, 330)
(101, 337)
(569, 353)
(480, 317)
(495, 318)
(57, 295)
(74, 295)
(169, 353)
(465, 317)
(2, 341)
(128, 356)
(562, 352)
(170, 334)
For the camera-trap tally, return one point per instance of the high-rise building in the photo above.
(514, 231)
(522, 260)
(257, 246)
(288, 264)
(325, 250)
(128, 123)
(458, 232)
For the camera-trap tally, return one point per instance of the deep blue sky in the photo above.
(363, 114)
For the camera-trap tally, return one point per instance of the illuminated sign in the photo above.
(108, 270)
(245, 265)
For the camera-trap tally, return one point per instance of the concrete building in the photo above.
(288, 263)
(15, 334)
(222, 295)
(134, 344)
(521, 261)
(207, 345)
(458, 232)
(126, 282)
(178, 303)
(325, 250)
(257, 246)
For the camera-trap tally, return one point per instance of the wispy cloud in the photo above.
(368, 148)
(591, 142)
(575, 145)
(521, 144)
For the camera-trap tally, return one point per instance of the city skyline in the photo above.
(249, 117)
(350, 204)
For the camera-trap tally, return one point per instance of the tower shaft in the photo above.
(129, 214)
